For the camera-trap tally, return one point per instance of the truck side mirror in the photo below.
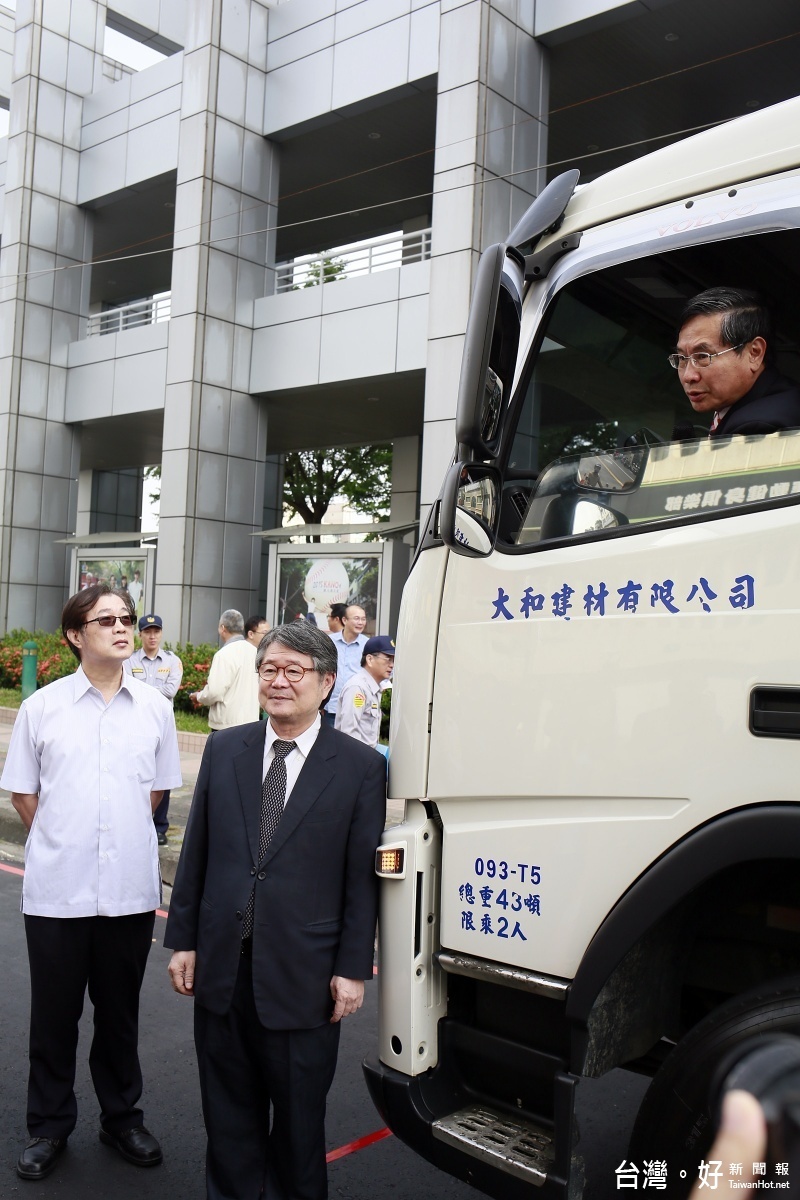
(470, 509)
(490, 350)
(587, 517)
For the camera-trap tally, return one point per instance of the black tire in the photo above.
(674, 1124)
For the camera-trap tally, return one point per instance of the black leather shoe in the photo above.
(40, 1157)
(161, 838)
(135, 1145)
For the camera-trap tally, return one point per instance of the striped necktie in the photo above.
(273, 799)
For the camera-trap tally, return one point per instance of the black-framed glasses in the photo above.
(294, 673)
(108, 622)
(704, 359)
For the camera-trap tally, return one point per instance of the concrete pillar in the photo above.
(405, 480)
(214, 431)
(83, 516)
(491, 146)
(44, 238)
(271, 519)
(405, 484)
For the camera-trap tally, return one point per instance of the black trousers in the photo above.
(245, 1068)
(161, 814)
(66, 955)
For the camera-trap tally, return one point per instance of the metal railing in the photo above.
(358, 258)
(131, 316)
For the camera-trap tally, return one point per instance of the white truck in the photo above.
(596, 706)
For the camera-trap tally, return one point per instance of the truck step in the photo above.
(513, 1145)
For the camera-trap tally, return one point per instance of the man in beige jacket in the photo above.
(231, 691)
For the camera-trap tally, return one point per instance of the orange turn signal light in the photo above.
(390, 862)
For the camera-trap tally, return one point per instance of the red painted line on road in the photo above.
(358, 1144)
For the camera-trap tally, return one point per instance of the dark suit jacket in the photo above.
(316, 890)
(772, 403)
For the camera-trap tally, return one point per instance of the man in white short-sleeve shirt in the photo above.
(89, 758)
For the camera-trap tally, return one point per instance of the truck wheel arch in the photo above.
(757, 832)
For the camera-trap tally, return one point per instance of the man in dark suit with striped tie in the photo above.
(272, 921)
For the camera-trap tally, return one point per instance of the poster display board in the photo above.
(124, 567)
(305, 580)
(307, 587)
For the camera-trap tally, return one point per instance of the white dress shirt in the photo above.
(92, 849)
(294, 761)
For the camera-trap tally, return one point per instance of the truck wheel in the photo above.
(675, 1124)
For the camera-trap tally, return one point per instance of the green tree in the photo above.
(152, 475)
(325, 270)
(362, 474)
(559, 441)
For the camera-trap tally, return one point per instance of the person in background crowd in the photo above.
(359, 710)
(232, 688)
(135, 589)
(90, 755)
(349, 648)
(254, 629)
(164, 670)
(336, 618)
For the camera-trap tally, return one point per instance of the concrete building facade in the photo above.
(164, 234)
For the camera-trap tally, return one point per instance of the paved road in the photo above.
(171, 1102)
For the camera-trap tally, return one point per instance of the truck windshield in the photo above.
(599, 381)
(600, 375)
(631, 486)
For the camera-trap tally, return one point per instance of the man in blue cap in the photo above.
(163, 670)
(359, 711)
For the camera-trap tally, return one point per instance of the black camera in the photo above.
(768, 1066)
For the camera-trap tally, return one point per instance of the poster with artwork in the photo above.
(123, 569)
(307, 587)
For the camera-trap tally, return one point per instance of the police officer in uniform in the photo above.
(164, 670)
(359, 711)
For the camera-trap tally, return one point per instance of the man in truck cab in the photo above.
(724, 364)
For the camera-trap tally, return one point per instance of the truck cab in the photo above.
(596, 704)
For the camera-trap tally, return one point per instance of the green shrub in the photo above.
(196, 661)
(55, 658)
(10, 666)
(386, 713)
